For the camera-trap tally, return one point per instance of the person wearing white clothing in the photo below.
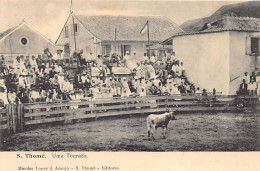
(246, 77)
(33, 63)
(3, 94)
(11, 97)
(258, 89)
(152, 59)
(252, 87)
(143, 92)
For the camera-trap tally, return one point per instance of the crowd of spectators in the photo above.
(45, 78)
(250, 84)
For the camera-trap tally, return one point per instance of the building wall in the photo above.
(84, 40)
(11, 46)
(240, 61)
(206, 59)
(89, 43)
(138, 47)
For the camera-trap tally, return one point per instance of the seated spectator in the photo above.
(198, 91)
(182, 88)
(143, 92)
(165, 90)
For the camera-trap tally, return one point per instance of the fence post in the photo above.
(9, 118)
(15, 117)
(166, 101)
(95, 112)
(20, 117)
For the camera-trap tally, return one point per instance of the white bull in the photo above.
(155, 121)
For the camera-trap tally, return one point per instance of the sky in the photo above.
(49, 16)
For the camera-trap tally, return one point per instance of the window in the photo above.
(66, 32)
(106, 50)
(124, 49)
(74, 29)
(254, 45)
(24, 41)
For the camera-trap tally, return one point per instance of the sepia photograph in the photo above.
(128, 76)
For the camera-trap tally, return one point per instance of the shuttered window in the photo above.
(252, 45)
(74, 29)
(66, 32)
(106, 50)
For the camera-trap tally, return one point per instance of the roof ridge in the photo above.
(239, 17)
(110, 15)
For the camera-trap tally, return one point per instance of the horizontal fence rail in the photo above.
(14, 118)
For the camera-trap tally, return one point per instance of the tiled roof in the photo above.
(233, 24)
(2, 34)
(128, 27)
(226, 23)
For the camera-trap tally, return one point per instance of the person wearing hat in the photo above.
(246, 77)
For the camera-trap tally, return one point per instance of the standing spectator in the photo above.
(253, 77)
(33, 63)
(246, 77)
(12, 99)
(243, 89)
(252, 88)
(258, 89)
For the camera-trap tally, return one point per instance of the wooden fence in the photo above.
(15, 118)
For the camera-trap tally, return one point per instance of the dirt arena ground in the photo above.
(191, 132)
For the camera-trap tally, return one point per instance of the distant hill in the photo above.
(245, 9)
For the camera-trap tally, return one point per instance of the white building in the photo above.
(23, 40)
(219, 54)
(102, 35)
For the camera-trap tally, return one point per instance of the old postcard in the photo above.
(129, 85)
